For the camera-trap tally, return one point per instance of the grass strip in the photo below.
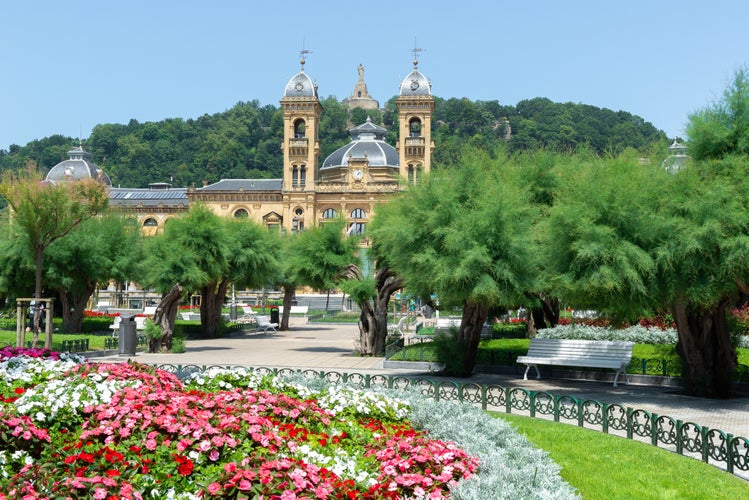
(610, 467)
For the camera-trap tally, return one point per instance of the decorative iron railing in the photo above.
(712, 446)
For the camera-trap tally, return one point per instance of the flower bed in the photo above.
(79, 430)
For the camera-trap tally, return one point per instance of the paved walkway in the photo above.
(330, 347)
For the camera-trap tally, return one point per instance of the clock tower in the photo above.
(415, 108)
(301, 148)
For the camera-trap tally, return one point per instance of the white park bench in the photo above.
(295, 310)
(264, 324)
(115, 326)
(140, 325)
(190, 316)
(447, 325)
(248, 317)
(615, 355)
(398, 328)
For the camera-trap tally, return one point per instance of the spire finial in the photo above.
(416, 50)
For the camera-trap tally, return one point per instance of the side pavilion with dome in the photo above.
(350, 182)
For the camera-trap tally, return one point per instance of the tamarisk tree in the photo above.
(462, 233)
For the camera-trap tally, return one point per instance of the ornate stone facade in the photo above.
(351, 182)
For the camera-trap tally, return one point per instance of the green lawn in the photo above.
(610, 467)
(95, 342)
(95, 339)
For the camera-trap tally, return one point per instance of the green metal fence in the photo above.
(712, 446)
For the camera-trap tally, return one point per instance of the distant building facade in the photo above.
(348, 183)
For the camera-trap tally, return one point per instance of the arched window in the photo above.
(414, 173)
(150, 222)
(302, 176)
(241, 213)
(329, 213)
(358, 213)
(414, 127)
(358, 225)
(299, 128)
(295, 177)
(297, 222)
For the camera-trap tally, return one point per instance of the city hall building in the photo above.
(350, 182)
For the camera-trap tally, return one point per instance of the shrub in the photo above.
(152, 330)
(449, 352)
(513, 330)
(178, 344)
(738, 320)
(637, 333)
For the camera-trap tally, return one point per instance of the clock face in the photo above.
(358, 174)
(299, 87)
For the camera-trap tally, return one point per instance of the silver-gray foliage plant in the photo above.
(510, 466)
(636, 333)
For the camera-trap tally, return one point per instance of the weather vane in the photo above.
(303, 53)
(416, 50)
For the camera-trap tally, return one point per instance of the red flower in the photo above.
(185, 465)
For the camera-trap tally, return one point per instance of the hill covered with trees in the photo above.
(245, 141)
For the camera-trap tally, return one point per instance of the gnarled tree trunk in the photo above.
(164, 316)
(387, 284)
(373, 321)
(212, 301)
(469, 334)
(367, 329)
(545, 313)
(288, 296)
(73, 306)
(704, 346)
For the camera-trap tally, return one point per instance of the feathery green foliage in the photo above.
(722, 128)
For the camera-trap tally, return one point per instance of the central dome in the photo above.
(79, 166)
(367, 141)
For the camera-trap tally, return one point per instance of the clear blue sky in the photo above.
(67, 66)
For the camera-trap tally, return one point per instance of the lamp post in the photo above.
(233, 308)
